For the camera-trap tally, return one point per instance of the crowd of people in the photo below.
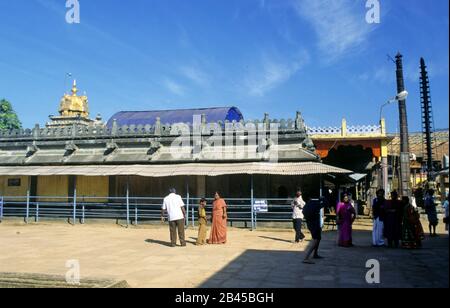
(396, 222)
(399, 220)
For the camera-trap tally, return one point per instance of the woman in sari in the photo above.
(393, 220)
(412, 231)
(218, 233)
(345, 215)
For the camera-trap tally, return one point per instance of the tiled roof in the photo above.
(164, 170)
(418, 147)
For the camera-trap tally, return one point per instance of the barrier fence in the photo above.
(135, 210)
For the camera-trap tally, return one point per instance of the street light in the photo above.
(399, 97)
(402, 96)
(384, 162)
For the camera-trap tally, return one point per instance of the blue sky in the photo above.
(275, 56)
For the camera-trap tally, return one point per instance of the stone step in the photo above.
(22, 280)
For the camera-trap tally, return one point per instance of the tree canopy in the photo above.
(8, 118)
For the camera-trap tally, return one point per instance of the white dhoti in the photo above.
(377, 234)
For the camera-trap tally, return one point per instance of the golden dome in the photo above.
(73, 105)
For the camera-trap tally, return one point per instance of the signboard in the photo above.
(260, 206)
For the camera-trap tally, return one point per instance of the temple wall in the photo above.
(13, 191)
(53, 186)
(93, 186)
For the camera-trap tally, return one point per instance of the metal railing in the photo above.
(134, 210)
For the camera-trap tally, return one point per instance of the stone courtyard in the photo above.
(265, 258)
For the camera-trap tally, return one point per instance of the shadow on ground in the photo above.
(163, 243)
(275, 239)
(341, 267)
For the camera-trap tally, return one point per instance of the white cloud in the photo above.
(174, 87)
(273, 73)
(340, 25)
(385, 74)
(195, 75)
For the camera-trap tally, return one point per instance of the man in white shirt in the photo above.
(297, 216)
(174, 206)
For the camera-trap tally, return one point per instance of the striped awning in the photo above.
(300, 168)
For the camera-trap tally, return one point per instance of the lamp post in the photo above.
(384, 160)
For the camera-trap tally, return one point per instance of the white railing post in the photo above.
(1, 209)
(252, 203)
(128, 201)
(187, 203)
(28, 207)
(36, 219)
(135, 215)
(74, 203)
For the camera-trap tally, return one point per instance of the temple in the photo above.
(143, 153)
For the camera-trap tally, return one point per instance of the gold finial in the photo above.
(74, 87)
(74, 105)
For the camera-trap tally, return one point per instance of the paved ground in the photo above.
(250, 259)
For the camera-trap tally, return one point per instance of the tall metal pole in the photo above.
(404, 137)
(426, 116)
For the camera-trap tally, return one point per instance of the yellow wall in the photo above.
(57, 185)
(16, 190)
(93, 186)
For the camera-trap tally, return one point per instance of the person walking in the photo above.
(173, 205)
(297, 216)
(202, 223)
(378, 214)
(430, 210)
(345, 216)
(311, 212)
(218, 233)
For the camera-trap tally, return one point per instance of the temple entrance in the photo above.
(359, 160)
(355, 158)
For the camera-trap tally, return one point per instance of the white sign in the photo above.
(260, 206)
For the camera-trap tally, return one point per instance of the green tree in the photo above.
(8, 118)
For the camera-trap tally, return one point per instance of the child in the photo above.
(202, 223)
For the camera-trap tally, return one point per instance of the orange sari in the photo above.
(218, 233)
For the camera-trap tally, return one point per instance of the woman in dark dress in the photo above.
(393, 220)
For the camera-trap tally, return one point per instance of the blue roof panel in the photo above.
(175, 116)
